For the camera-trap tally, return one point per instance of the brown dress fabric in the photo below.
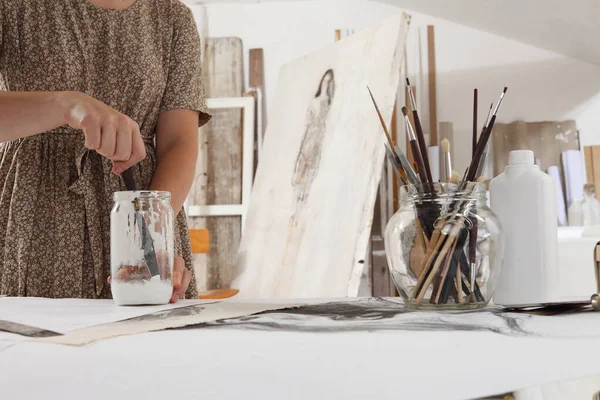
(56, 196)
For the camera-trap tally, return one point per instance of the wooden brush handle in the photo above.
(129, 179)
(422, 146)
(414, 146)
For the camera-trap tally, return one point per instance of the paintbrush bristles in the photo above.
(446, 146)
(405, 111)
(383, 125)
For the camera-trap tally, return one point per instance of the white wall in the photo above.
(542, 85)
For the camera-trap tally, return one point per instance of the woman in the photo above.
(91, 88)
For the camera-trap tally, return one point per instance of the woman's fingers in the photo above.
(137, 153)
(181, 279)
(123, 142)
(108, 139)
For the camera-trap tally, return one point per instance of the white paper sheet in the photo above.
(561, 209)
(65, 315)
(573, 168)
(179, 318)
(434, 162)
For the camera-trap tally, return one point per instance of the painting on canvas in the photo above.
(312, 204)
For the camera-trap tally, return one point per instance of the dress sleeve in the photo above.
(185, 87)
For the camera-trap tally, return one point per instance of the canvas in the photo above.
(311, 210)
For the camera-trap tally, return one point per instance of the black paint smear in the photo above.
(371, 315)
(26, 330)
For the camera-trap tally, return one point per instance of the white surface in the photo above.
(64, 315)
(566, 27)
(561, 209)
(248, 105)
(576, 264)
(465, 58)
(311, 211)
(237, 363)
(524, 200)
(148, 292)
(434, 162)
(573, 170)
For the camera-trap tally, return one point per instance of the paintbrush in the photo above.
(419, 131)
(447, 160)
(397, 156)
(474, 121)
(483, 140)
(147, 242)
(414, 145)
(484, 156)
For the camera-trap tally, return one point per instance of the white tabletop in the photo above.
(413, 355)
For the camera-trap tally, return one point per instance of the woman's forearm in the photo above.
(25, 114)
(175, 171)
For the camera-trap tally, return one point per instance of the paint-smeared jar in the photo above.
(444, 246)
(141, 248)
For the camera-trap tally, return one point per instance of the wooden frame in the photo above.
(247, 104)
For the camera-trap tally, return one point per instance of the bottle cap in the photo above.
(521, 157)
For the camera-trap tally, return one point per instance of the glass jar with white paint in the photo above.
(142, 248)
(444, 246)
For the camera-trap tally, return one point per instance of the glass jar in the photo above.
(141, 248)
(444, 246)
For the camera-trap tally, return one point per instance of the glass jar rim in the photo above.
(431, 191)
(130, 195)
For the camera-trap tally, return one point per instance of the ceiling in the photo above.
(569, 27)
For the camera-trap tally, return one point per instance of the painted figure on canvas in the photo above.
(307, 164)
(309, 156)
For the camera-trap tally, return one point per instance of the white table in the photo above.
(328, 361)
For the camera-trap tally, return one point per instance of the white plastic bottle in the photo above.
(524, 199)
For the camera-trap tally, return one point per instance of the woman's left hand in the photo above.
(181, 279)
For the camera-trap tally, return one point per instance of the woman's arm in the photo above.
(176, 154)
(25, 114)
(112, 134)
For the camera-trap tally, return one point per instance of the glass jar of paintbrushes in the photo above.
(444, 246)
(142, 247)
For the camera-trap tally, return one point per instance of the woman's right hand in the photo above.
(107, 131)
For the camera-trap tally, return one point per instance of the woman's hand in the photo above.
(107, 131)
(181, 279)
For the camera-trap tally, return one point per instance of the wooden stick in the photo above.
(474, 122)
(447, 243)
(433, 128)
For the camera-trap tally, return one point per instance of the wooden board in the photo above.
(218, 172)
(433, 123)
(256, 83)
(546, 139)
(311, 210)
(592, 164)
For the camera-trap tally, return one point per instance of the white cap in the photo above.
(521, 157)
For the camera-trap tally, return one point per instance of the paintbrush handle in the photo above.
(422, 146)
(481, 144)
(414, 146)
(129, 179)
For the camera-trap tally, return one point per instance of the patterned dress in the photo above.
(56, 196)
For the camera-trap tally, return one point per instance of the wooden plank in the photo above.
(218, 177)
(546, 139)
(256, 81)
(380, 274)
(589, 170)
(433, 122)
(304, 236)
(596, 168)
